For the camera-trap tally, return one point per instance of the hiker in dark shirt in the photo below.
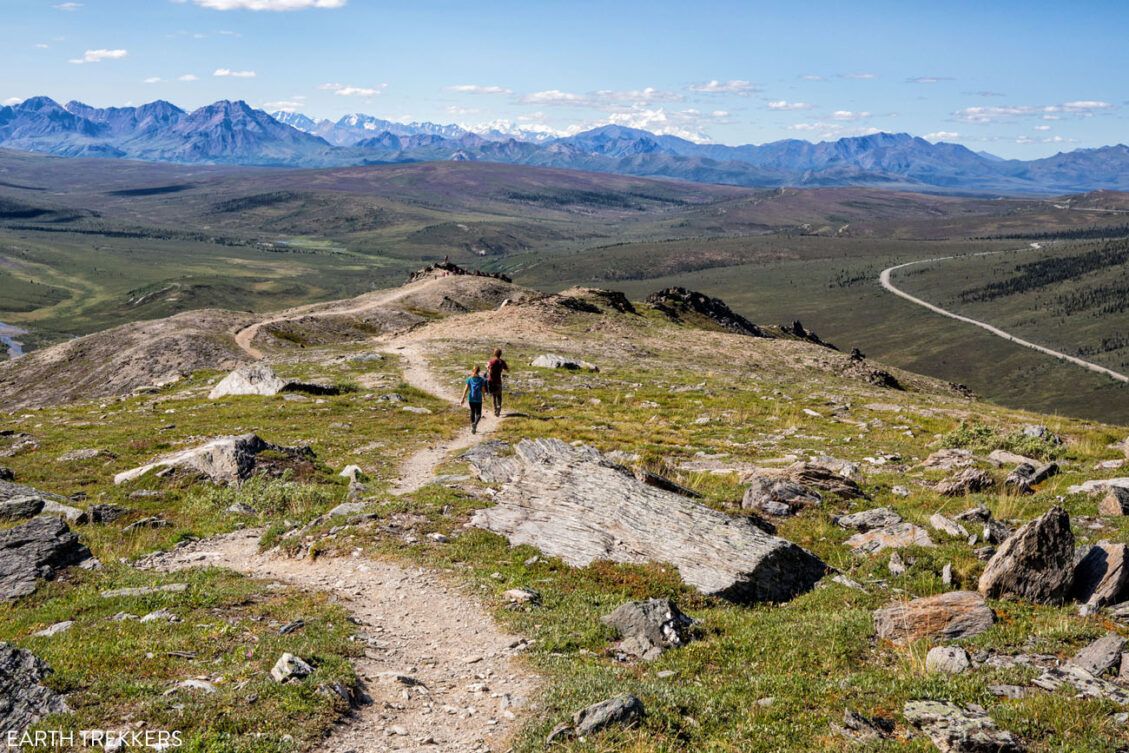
(494, 371)
(472, 395)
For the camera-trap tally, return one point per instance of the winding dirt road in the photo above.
(884, 278)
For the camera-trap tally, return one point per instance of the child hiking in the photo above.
(494, 371)
(472, 394)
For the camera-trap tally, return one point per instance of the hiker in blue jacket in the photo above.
(472, 394)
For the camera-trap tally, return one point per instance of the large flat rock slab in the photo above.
(37, 549)
(573, 503)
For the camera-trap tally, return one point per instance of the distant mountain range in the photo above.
(235, 133)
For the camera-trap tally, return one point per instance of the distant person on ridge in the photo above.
(472, 394)
(494, 371)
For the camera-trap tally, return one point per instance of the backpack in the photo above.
(474, 383)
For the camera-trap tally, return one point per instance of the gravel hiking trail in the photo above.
(884, 279)
(441, 674)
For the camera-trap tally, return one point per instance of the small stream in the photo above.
(8, 335)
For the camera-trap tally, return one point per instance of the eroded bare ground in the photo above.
(440, 673)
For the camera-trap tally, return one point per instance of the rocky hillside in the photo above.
(684, 532)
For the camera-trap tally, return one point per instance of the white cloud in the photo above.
(941, 136)
(153, 80)
(188, 77)
(849, 115)
(782, 104)
(269, 5)
(832, 130)
(97, 56)
(552, 97)
(610, 99)
(928, 79)
(12, 101)
(859, 76)
(1042, 128)
(285, 105)
(67, 6)
(346, 90)
(733, 86)
(228, 73)
(479, 89)
(1078, 108)
(42, 46)
(812, 77)
(456, 111)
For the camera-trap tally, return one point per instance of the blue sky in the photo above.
(1019, 79)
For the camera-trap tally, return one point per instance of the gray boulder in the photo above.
(779, 496)
(1036, 563)
(968, 481)
(19, 508)
(1102, 655)
(224, 460)
(574, 503)
(34, 550)
(649, 627)
(492, 461)
(1083, 682)
(255, 379)
(951, 660)
(947, 526)
(957, 729)
(621, 711)
(553, 361)
(869, 520)
(1101, 577)
(23, 697)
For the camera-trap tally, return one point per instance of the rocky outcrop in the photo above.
(678, 304)
(260, 379)
(34, 550)
(224, 460)
(950, 660)
(1083, 682)
(121, 360)
(956, 729)
(947, 616)
(648, 628)
(573, 503)
(1036, 563)
(449, 268)
(23, 697)
(553, 361)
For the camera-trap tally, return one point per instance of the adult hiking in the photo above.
(494, 371)
(472, 395)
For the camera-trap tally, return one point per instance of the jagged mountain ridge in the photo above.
(227, 132)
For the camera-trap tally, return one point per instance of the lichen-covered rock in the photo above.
(1115, 502)
(649, 627)
(23, 697)
(956, 729)
(1101, 655)
(951, 660)
(1036, 563)
(1083, 682)
(290, 667)
(957, 614)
